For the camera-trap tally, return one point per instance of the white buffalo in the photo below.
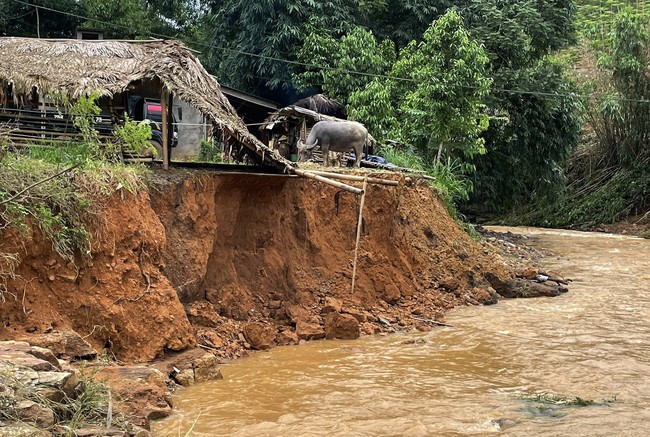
(334, 136)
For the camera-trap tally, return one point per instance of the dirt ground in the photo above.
(236, 262)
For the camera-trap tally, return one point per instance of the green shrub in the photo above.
(134, 136)
(209, 152)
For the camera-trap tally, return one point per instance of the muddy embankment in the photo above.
(235, 263)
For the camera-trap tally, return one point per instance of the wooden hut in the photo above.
(31, 69)
(282, 130)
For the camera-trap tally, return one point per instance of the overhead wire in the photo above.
(325, 67)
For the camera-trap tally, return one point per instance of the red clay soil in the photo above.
(247, 262)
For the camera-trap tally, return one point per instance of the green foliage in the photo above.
(452, 183)
(209, 152)
(373, 105)
(337, 58)
(604, 196)
(83, 112)
(133, 135)
(536, 116)
(61, 207)
(141, 18)
(131, 14)
(621, 120)
(594, 17)
(519, 32)
(400, 21)
(17, 19)
(531, 140)
(402, 156)
(251, 39)
(56, 206)
(442, 108)
(608, 179)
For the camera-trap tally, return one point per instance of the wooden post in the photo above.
(170, 131)
(165, 127)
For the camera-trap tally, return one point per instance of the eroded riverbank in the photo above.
(590, 343)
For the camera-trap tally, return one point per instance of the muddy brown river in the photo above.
(523, 360)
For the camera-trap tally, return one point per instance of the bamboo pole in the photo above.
(359, 226)
(311, 175)
(349, 177)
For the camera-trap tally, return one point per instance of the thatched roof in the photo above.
(323, 105)
(75, 67)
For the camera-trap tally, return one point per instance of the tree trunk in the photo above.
(439, 152)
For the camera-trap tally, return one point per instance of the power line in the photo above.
(324, 67)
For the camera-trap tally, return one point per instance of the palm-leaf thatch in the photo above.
(77, 67)
(323, 105)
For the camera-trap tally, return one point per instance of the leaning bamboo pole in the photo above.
(349, 177)
(359, 227)
(311, 175)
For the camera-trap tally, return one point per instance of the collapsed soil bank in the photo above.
(237, 262)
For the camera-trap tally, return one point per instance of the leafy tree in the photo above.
(130, 17)
(442, 106)
(375, 107)
(17, 19)
(621, 119)
(538, 119)
(137, 18)
(398, 20)
(334, 63)
(531, 136)
(251, 42)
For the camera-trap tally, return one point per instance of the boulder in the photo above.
(31, 412)
(361, 316)
(287, 337)
(64, 344)
(391, 293)
(331, 305)
(23, 346)
(185, 377)
(525, 288)
(27, 361)
(296, 313)
(191, 366)
(307, 330)
(203, 313)
(207, 368)
(342, 326)
(209, 338)
(140, 392)
(180, 361)
(259, 335)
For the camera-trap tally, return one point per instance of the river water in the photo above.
(592, 343)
